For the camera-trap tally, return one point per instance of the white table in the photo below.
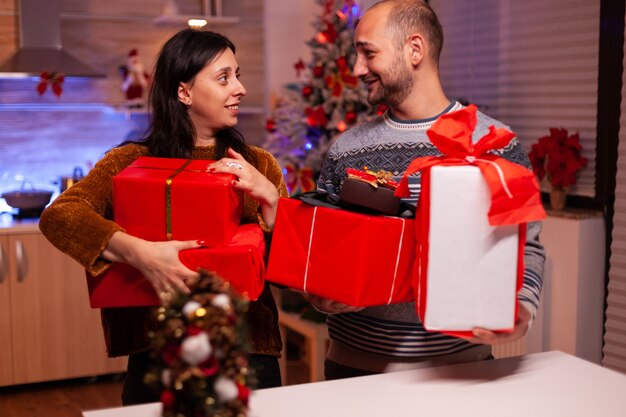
(551, 384)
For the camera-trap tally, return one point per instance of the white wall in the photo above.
(288, 25)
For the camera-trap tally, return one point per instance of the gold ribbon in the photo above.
(168, 199)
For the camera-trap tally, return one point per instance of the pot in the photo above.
(27, 199)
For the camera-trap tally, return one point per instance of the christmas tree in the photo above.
(327, 99)
(199, 366)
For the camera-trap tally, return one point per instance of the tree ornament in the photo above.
(318, 71)
(330, 33)
(351, 117)
(196, 349)
(381, 109)
(316, 116)
(226, 389)
(270, 125)
(342, 64)
(299, 67)
(307, 90)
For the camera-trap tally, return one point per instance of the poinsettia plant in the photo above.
(558, 156)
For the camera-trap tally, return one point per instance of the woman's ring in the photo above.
(234, 165)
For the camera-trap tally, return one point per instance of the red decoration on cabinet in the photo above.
(54, 79)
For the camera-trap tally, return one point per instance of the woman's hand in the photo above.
(250, 181)
(158, 262)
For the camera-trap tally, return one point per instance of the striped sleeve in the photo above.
(534, 259)
(534, 253)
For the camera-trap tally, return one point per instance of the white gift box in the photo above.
(472, 269)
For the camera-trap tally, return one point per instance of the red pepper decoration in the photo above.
(54, 79)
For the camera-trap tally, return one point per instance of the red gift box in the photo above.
(356, 259)
(161, 199)
(470, 228)
(240, 263)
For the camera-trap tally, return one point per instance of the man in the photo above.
(398, 43)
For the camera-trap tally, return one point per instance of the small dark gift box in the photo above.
(367, 190)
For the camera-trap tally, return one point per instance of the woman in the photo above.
(194, 100)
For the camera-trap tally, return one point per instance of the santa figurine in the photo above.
(135, 80)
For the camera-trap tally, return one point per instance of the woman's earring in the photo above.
(189, 102)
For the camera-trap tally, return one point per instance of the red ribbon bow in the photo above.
(373, 178)
(515, 196)
(299, 180)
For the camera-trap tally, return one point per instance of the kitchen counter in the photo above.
(9, 225)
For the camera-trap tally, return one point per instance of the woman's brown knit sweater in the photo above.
(79, 223)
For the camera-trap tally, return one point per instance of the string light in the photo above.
(321, 38)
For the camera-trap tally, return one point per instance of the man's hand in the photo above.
(487, 337)
(327, 306)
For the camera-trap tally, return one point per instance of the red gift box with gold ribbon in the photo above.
(240, 263)
(161, 199)
(353, 258)
(470, 226)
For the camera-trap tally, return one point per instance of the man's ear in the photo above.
(183, 93)
(417, 48)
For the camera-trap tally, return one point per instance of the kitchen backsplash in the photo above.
(39, 146)
(43, 137)
(41, 143)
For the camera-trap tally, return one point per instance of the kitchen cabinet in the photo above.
(47, 329)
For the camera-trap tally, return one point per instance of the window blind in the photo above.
(614, 351)
(531, 64)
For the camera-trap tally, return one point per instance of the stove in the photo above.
(20, 214)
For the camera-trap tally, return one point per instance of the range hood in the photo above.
(40, 45)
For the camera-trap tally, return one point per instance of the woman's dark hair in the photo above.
(171, 132)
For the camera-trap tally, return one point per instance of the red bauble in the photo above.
(270, 125)
(167, 398)
(318, 71)
(330, 33)
(381, 109)
(342, 64)
(307, 90)
(316, 116)
(350, 117)
(243, 393)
